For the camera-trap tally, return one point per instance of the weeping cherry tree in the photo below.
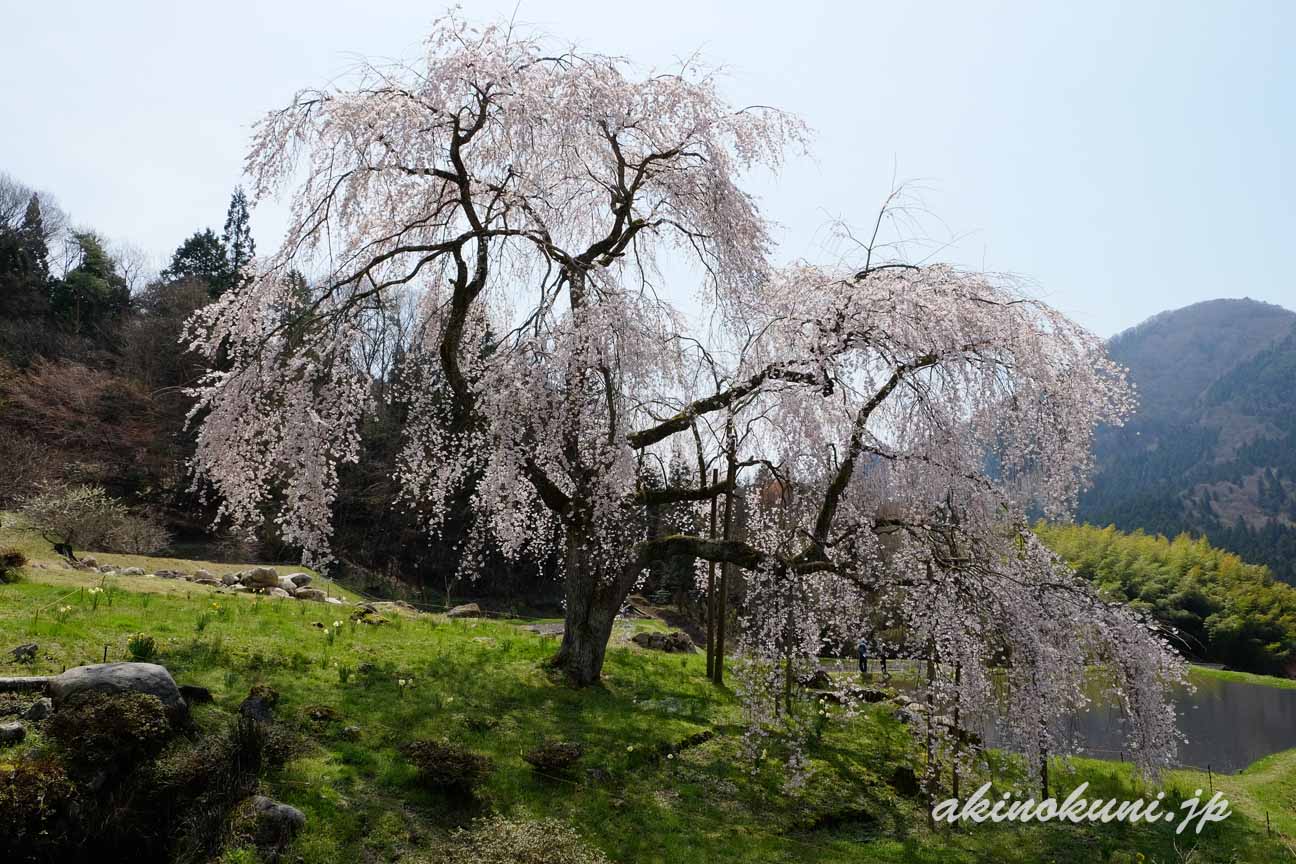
(523, 197)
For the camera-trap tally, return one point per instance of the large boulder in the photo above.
(672, 643)
(467, 610)
(311, 594)
(301, 580)
(118, 678)
(261, 577)
(229, 579)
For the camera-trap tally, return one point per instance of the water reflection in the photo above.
(1229, 725)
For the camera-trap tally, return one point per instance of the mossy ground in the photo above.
(483, 684)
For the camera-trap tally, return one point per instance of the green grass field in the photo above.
(483, 684)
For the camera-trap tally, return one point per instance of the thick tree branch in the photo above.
(684, 419)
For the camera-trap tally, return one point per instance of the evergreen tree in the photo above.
(239, 245)
(203, 257)
(93, 295)
(24, 266)
(31, 236)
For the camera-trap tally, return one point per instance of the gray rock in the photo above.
(108, 568)
(204, 574)
(278, 592)
(169, 574)
(259, 704)
(38, 710)
(229, 579)
(262, 577)
(467, 610)
(336, 601)
(118, 678)
(25, 653)
(279, 820)
(905, 716)
(311, 594)
(133, 571)
(672, 643)
(193, 694)
(818, 680)
(301, 580)
(88, 561)
(239, 589)
(12, 733)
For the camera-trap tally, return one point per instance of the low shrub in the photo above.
(100, 728)
(442, 765)
(142, 648)
(555, 757)
(501, 840)
(11, 563)
(36, 797)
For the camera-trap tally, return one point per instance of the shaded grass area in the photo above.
(1243, 677)
(483, 684)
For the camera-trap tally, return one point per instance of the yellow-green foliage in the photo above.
(1224, 610)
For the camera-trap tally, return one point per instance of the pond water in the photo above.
(1229, 725)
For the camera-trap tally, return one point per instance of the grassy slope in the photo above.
(700, 807)
(1244, 677)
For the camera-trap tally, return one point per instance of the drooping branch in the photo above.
(833, 494)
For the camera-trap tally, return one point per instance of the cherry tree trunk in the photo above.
(593, 602)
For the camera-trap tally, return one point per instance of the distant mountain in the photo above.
(1212, 448)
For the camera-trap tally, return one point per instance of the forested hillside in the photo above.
(93, 390)
(1212, 448)
(1221, 609)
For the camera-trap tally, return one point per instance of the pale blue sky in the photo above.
(1125, 157)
